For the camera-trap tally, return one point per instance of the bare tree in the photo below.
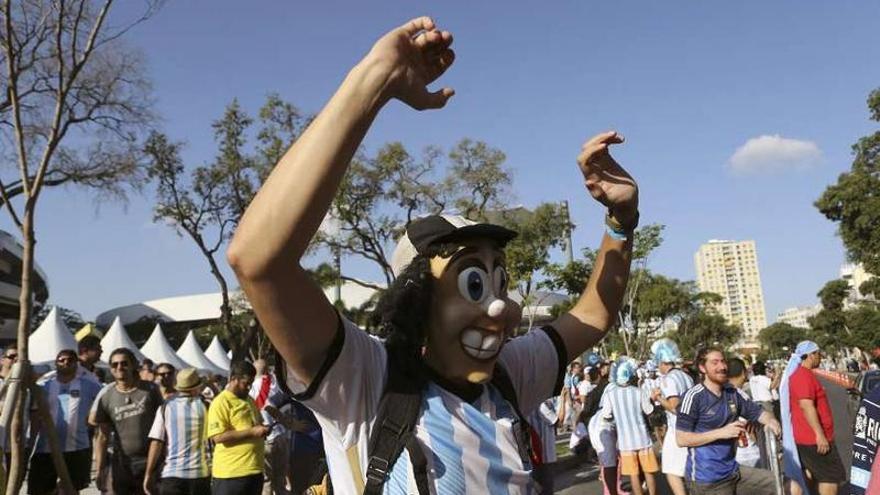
(74, 101)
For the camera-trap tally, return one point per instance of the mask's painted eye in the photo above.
(473, 284)
(500, 281)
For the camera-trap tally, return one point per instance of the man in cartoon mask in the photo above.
(447, 316)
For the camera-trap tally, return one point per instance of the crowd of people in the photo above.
(715, 422)
(153, 429)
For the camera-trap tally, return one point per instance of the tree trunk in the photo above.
(48, 428)
(25, 301)
(15, 474)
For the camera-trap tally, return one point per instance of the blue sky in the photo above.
(688, 83)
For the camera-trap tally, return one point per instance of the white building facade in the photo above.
(730, 269)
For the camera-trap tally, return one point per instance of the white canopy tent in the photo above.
(192, 353)
(159, 350)
(117, 337)
(217, 354)
(50, 338)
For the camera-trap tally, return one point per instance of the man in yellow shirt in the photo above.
(235, 426)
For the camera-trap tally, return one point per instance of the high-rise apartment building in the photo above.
(730, 269)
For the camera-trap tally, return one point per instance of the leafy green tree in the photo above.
(864, 324)
(828, 326)
(780, 338)
(528, 254)
(853, 201)
(702, 328)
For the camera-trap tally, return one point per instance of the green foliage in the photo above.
(570, 278)
(703, 328)
(646, 240)
(863, 322)
(661, 298)
(71, 318)
(539, 230)
(828, 326)
(206, 203)
(379, 195)
(478, 173)
(777, 337)
(853, 201)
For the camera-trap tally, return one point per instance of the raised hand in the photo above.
(413, 56)
(607, 182)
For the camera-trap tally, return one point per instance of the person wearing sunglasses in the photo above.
(69, 396)
(126, 409)
(165, 374)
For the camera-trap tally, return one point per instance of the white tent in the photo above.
(192, 353)
(115, 338)
(50, 338)
(160, 351)
(217, 354)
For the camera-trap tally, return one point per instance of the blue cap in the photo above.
(593, 359)
(625, 371)
(665, 351)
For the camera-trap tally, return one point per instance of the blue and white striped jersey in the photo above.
(180, 424)
(470, 446)
(674, 384)
(69, 404)
(626, 406)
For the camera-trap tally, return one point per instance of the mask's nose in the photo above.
(495, 308)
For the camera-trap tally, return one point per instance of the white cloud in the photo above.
(769, 154)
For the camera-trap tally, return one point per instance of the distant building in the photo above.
(730, 269)
(855, 275)
(798, 316)
(11, 252)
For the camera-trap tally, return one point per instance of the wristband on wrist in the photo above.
(618, 231)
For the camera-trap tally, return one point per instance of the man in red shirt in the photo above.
(813, 427)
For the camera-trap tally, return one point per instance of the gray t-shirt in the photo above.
(130, 415)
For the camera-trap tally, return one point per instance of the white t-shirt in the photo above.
(584, 388)
(470, 447)
(759, 386)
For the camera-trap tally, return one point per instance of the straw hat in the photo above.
(187, 379)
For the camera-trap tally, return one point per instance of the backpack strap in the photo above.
(393, 430)
(522, 431)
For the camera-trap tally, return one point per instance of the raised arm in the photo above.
(596, 310)
(286, 213)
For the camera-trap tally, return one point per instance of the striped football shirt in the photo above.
(674, 384)
(628, 405)
(69, 404)
(180, 424)
(470, 446)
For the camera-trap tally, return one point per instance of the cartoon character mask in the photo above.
(470, 315)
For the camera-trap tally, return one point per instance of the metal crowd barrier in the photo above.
(774, 456)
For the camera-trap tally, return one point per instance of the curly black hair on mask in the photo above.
(402, 315)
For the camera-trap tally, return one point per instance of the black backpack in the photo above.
(394, 428)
